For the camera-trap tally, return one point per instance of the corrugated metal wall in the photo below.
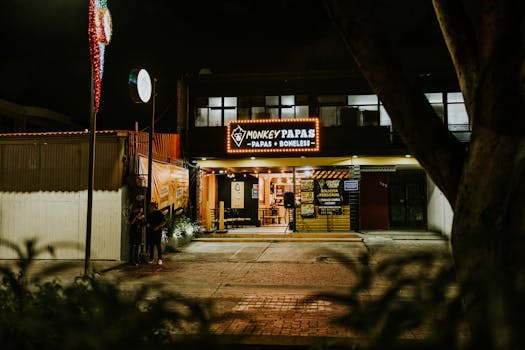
(166, 147)
(59, 218)
(43, 189)
(60, 163)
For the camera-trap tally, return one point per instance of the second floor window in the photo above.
(456, 112)
(333, 110)
(286, 107)
(365, 111)
(217, 112)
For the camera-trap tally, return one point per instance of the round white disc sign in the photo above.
(144, 85)
(140, 85)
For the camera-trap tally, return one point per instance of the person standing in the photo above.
(156, 221)
(136, 223)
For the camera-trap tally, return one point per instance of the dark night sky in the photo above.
(45, 53)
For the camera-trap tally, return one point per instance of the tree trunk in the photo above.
(489, 237)
(486, 188)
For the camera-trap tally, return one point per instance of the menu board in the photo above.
(307, 198)
(329, 196)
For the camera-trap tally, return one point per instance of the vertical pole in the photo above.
(150, 146)
(136, 145)
(221, 216)
(91, 170)
(137, 174)
(293, 208)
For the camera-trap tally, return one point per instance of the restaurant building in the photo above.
(309, 152)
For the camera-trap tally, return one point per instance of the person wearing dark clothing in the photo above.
(156, 221)
(136, 222)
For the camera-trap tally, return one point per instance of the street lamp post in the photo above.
(150, 144)
(91, 180)
(99, 33)
(141, 91)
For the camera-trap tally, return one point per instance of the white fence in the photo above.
(439, 211)
(59, 219)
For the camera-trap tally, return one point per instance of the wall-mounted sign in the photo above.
(351, 185)
(329, 196)
(307, 198)
(237, 199)
(139, 85)
(273, 135)
(255, 191)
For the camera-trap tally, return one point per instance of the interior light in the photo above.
(203, 158)
(354, 156)
(408, 156)
(252, 158)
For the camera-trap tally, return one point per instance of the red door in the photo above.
(374, 200)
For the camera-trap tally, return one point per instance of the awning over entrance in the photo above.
(330, 174)
(261, 164)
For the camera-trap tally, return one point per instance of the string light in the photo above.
(99, 32)
(265, 122)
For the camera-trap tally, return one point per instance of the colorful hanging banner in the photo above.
(99, 31)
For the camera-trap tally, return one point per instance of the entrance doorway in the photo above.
(302, 199)
(374, 201)
(407, 199)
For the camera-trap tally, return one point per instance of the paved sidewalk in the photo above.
(260, 290)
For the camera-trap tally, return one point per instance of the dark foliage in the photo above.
(419, 302)
(90, 313)
(397, 298)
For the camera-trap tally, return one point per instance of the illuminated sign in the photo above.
(273, 135)
(99, 30)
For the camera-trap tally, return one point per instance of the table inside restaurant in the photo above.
(269, 216)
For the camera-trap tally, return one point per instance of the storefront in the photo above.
(307, 152)
(303, 193)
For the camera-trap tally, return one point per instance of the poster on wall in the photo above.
(255, 191)
(307, 210)
(279, 190)
(165, 194)
(307, 198)
(237, 194)
(307, 185)
(170, 183)
(330, 196)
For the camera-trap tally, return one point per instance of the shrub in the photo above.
(91, 313)
(180, 226)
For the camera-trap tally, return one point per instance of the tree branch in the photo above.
(437, 150)
(500, 34)
(460, 38)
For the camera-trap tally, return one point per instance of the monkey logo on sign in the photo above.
(238, 135)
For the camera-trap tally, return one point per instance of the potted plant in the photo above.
(178, 231)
